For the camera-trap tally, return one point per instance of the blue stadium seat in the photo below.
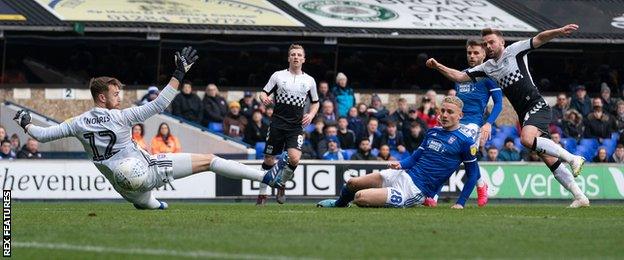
(569, 144)
(509, 130)
(610, 145)
(375, 152)
(349, 152)
(308, 129)
(498, 142)
(215, 127)
(518, 144)
(615, 136)
(590, 142)
(260, 150)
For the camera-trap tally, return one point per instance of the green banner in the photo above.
(530, 181)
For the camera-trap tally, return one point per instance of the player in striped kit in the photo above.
(105, 133)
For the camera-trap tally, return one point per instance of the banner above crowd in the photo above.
(9, 14)
(250, 12)
(421, 14)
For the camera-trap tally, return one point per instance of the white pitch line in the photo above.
(147, 251)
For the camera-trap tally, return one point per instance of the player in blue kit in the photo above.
(421, 175)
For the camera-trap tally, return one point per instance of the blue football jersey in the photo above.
(475, 96)
(442, 152)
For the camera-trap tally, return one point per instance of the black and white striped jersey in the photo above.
(290, 94)
(511, 72)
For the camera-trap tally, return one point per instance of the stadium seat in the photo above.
(308, 129)
(569, 144)
(615, 136)
(349, 153)
(509, 130)
(260, 150)
(590, 142)
(375, 152)
(518, 144)
(498, 142)
(610, 145)
(215, 127)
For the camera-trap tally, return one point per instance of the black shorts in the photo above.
(279, 139)
(540, 116)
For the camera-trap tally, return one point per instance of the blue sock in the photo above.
(346, 196)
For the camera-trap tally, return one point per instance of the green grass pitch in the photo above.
(100, 230)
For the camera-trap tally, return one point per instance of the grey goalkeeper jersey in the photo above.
(106, 132)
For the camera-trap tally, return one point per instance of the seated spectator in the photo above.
(618, 155)
(509, 151)
(378, 110)
(556, 138)
(187, 104)
(355, 122)
(317, 135)
(609, 104)
(15, 143)
(327, 112)
(393, 138)
(215, 106)
(268, 113)
(3, 133)
(559, 109)
(346, 137)
(343, 93)
(307, 152)
(492, 154)
(573, 126)
(415, 137)
(165, 141)
(363, 151)
(400, 115)
(384, 153)
(325, 94)
(601, 156)
(152, 93)
(598, 124)
(413, 116)
(30, 150)
(362, 111)
(5, 151)
(234, 122)
(451, 92)
(248, 104)
(619, 116)
(256, 131)
(138, 132)
(372, 133)
(427, 112)
(330, 130)
(580, 102)
(334, 153)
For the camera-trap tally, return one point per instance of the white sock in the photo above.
(547, 146)
(235, 170)
(264, 189)
(480, 182)
(564, 176)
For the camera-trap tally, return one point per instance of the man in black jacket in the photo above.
(187, 104)
(215, 106)
(364, 151)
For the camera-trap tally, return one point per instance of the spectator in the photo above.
(317, 135)
(3, 134)
(334, 153)
(248, 104)
(413, 117)
(364, 151)
(372, 133)
(384, 153)
(618, 155)
(619, 116)
(5, 150)
(415, 137)
(152, 93)
(234, 123)
(30, 150)
(362, 111)
(580, 102)
(559, 109)
(378, 110)
(268, 113)
(346, 137)
(165, 141)
(187, 104)
(355, 122)
(327, 112)
(451, 92)
(215, 106)
(138, 132)
(401, 114)
(307, 151)
(492, 154)
(556, 138)
(325, 94)
(428, 112)
(509, 151)
(256, 131)
(393, 138)
(598, 124)
(573, 126)
(601, 156)
(15, 143)
(344, 95)
(433, 96)
(329, 131)
(609, 104)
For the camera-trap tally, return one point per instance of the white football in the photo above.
(131, 173)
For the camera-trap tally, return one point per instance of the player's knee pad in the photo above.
(131, 173)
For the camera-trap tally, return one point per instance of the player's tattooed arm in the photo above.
(545, 36)
(449, 73)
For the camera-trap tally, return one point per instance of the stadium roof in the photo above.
(603, 21)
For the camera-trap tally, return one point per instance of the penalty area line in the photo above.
(147, 251)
